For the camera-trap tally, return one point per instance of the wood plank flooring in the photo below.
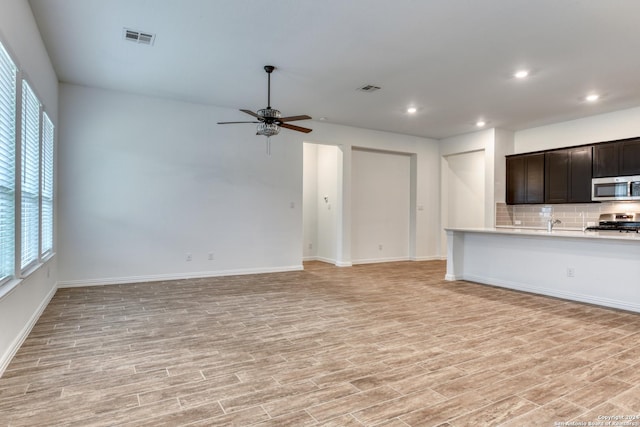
(375, 345)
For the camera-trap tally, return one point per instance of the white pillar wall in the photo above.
(495, 144)
(343, 258)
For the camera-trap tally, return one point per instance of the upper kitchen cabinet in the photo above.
(617, 158)
(525, 179)
(630, 157)
(568, 175)
(606, 159)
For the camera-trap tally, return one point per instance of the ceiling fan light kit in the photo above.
(269, 119)
(268, 129)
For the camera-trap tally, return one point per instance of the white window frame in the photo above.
(27, 170)
(8, 137)
(30, 179)
(46, 187)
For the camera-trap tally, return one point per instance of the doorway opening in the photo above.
(321, 203)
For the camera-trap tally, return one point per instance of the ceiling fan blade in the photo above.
(251, 113)
(294, 127)
(228, 123)
(294, 118)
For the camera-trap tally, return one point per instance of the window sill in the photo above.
(7, 288)
(10, 285)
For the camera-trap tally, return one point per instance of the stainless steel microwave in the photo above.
(615, 188)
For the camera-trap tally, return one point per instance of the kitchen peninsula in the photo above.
(594, 267)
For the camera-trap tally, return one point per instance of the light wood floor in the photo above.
(387, 344)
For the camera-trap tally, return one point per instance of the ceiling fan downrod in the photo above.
(269, 69)
(269, 125)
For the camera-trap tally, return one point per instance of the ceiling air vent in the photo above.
(368, 88)
(139, 36)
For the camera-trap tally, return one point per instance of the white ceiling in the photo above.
(452, 59)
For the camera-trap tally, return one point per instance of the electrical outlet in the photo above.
(571, 272)
(189, 257)
(380, 247)
(517, 222)
(310, 245)
(210, 256)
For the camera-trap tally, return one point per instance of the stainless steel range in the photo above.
(622, 222)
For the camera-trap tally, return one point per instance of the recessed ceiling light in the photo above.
(521, 74)
(481, 123)
(592, 97)
(322, 119)
(411, 110)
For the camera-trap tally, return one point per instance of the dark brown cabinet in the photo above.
(564, 175)
(617, 158)
(606, 159)
(568, 175)
(525, 179)
(630, 157)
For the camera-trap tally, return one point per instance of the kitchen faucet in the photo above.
(551, 222)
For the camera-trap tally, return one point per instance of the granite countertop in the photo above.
(556, 233)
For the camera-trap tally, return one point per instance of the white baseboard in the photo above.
(343, 264)
(5, 359)
(586, 298)
(372, 261)
(178, 276)
(328, 261)
(429, 258)
(378, 260)
(319, 258)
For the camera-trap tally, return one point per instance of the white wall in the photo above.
(465, 190)
(603, 127)
(310, 201)
(380, 205)
(146, 181)
(328, 212)
(477, 141)
(503, 146)
(21, 307)
(494, 144)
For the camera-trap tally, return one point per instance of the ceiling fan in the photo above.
(270, 120)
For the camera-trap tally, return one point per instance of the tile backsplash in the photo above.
(573, 216)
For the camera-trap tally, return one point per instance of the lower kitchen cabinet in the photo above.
(568, 175)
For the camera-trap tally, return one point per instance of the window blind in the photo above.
(47, 185)
(8, 72)
(30, 176)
